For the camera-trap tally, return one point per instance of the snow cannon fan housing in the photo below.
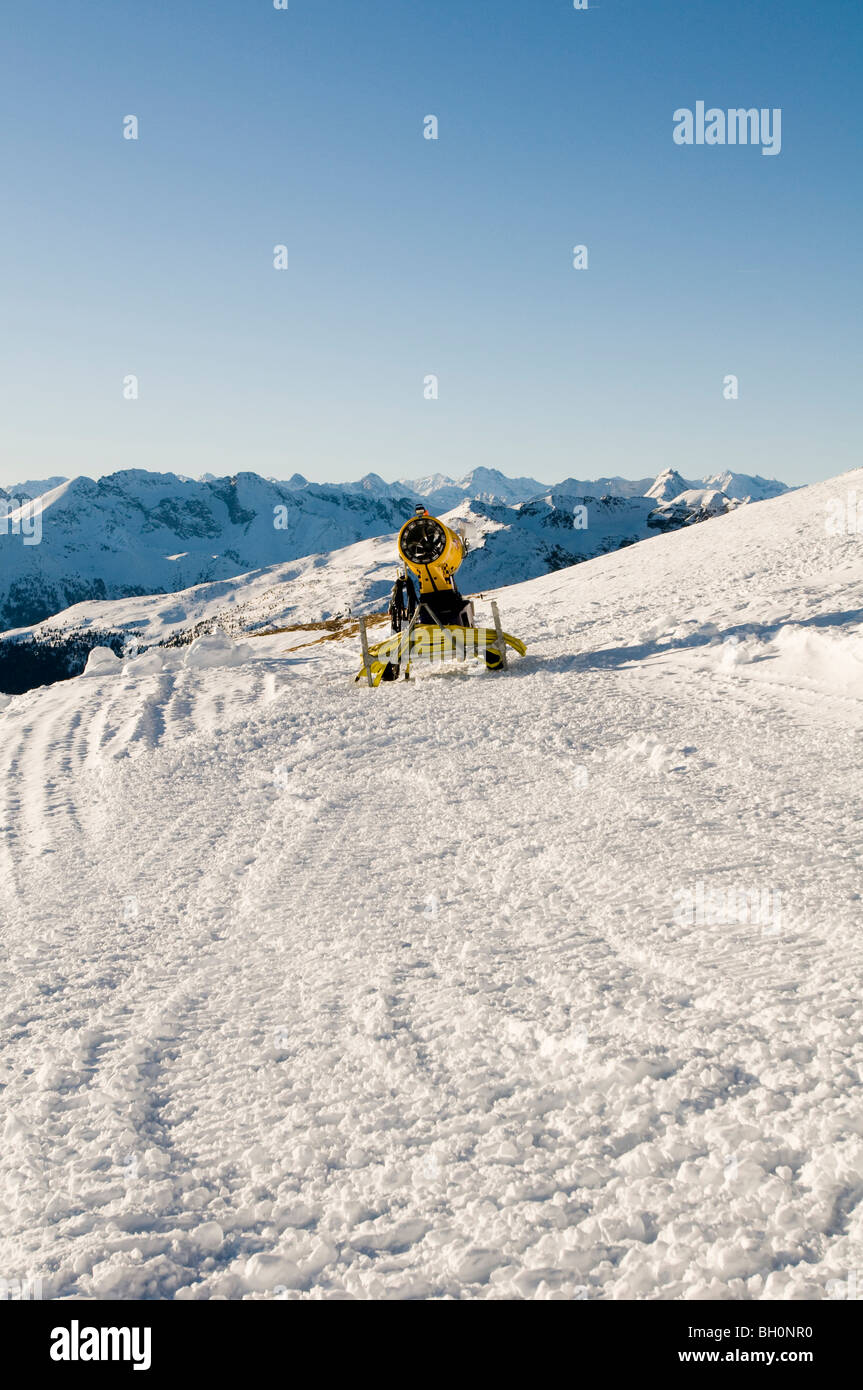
(431, 551)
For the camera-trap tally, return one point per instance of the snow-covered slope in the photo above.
(534, 985)
(357, 578)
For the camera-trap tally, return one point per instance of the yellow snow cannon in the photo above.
(439, 625)
(431, 551)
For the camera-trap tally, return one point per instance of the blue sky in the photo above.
(409, 257)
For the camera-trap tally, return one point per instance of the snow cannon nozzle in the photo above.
(431, 550)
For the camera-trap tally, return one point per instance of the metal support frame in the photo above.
(367, 661)
(500, 641)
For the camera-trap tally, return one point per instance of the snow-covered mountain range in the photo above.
(136, 533)
(33, 487)
(507, 544)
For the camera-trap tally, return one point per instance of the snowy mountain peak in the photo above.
(423, 486)
(490, 485)
(667, 485)
(373, 485)
(745, 487)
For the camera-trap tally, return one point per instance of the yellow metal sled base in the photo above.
(435, 646)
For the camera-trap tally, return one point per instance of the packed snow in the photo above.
(543, 984)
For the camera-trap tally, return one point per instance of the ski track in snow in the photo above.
(314, 991)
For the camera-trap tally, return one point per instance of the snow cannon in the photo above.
(437, 626)
(432, 552)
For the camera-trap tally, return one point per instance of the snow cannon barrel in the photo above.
(431, 551)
